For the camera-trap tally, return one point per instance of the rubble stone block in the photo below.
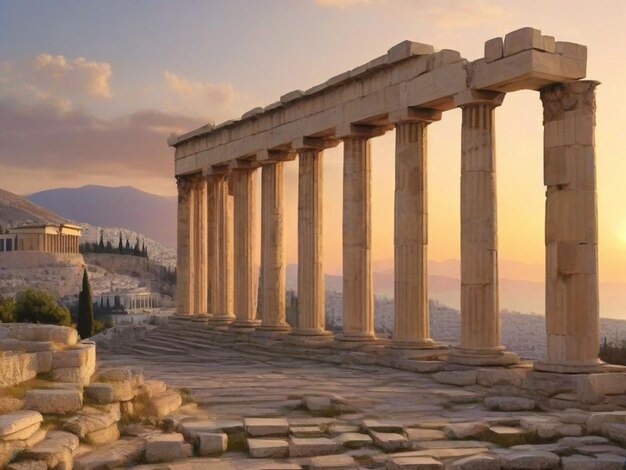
(308, 447)
(354, 440)
(530, 460)
(476, 462)
(332, 462)
(413, 463)
(164, 404)
(268, 448)
(16, 421)
(406, 49)
(212, 443)
(494, 49)
(167, 447)
(510, 403)
(258, 427)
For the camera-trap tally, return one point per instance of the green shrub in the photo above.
(7, 309)
(38, 306)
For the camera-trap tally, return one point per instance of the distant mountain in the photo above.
(16, 210)
(125, 206)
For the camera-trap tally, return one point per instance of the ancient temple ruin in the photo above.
(406, 89)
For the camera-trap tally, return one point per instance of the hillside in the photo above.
(16, 210)
(149, 214)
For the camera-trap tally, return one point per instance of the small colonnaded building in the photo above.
(49, 238)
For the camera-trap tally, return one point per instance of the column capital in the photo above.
(471, 96)
(313, 143)
(348, 130)
(183, 184)
(426, 115)
(269, 156)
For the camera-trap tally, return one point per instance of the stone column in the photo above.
(201, 246)
(224, 279)
(184, 247)
(273, 268)
(211, 267)
(480, 316)
(244, 183)
(572, 313)
(411, 326)
(358, 292)
(311, 294)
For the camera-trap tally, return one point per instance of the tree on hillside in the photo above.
(7, 309)
(38, 306)
(85, 325)
(109, 247)
(127, 249)
(101, 243)
(120, 245)
(137, 250)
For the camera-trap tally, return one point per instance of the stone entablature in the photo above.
(406, 89)
(49, 238)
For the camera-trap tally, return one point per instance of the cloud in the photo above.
(343, 4)
(43, 138)
(202, 98)
(56, 73)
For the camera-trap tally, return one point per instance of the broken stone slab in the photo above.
(383, 425)
(268, 448)
(51, 401)
(306, 431)
(212, 443)
(476, 462)
(389, 441)
(456, 377)
(17, 421)
(167, 447)
(66, 439)
(510, 403)
(309, 447)
(465, 430)
(500, 376)
(522, 39)
(353, 440)
(259, 427)
(119, 454)
(332, 462)
(91, 419)
(164, 403)
(417, 434)
(78, 375)
(407, 49)
(191, 429)
(25, 433)
(529, 460)
(507, 436)
(584, 462)
(80, 355)
(413, 463)
(104, 393)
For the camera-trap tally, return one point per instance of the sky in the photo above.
(90, 90)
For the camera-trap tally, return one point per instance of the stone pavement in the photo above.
(351, 416)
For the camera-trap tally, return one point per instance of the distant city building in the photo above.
(50, 238)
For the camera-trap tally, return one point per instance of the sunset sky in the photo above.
(89, 91)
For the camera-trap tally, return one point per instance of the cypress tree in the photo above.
(127, 249)
(85, 322)
(101, 243)
(108, 304)
(120, 245)
(137, 250)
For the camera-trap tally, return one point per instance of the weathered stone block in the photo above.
(465, 430)
(308, 447)
(509, 403)
(212, 443)
(167, 447)
(494, 49)
(389, 441)
(458, 377)
(16, 421)
(476, 462)
(406, 49)
(17, 367)
(521, 40)
(353, 440)
(54, 401)
(413, 463)
(164, 404)
(258, 427)
(103, 436)
(530, 460)
(332, 462)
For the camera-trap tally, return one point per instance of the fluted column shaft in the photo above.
(480, 319)
(244, 183)
(572, 312)
(224, 279)
(311, 301)
(212, 264)
(200, 247)
(184, 247)
(273, 268)
(411, 324)
(358, 293)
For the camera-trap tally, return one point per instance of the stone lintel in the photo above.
(407, 49)
(243, 164)
(272, 156)
(219, 169)
(414, 115)
(471, 96)
(320, 143)
(345, 130)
